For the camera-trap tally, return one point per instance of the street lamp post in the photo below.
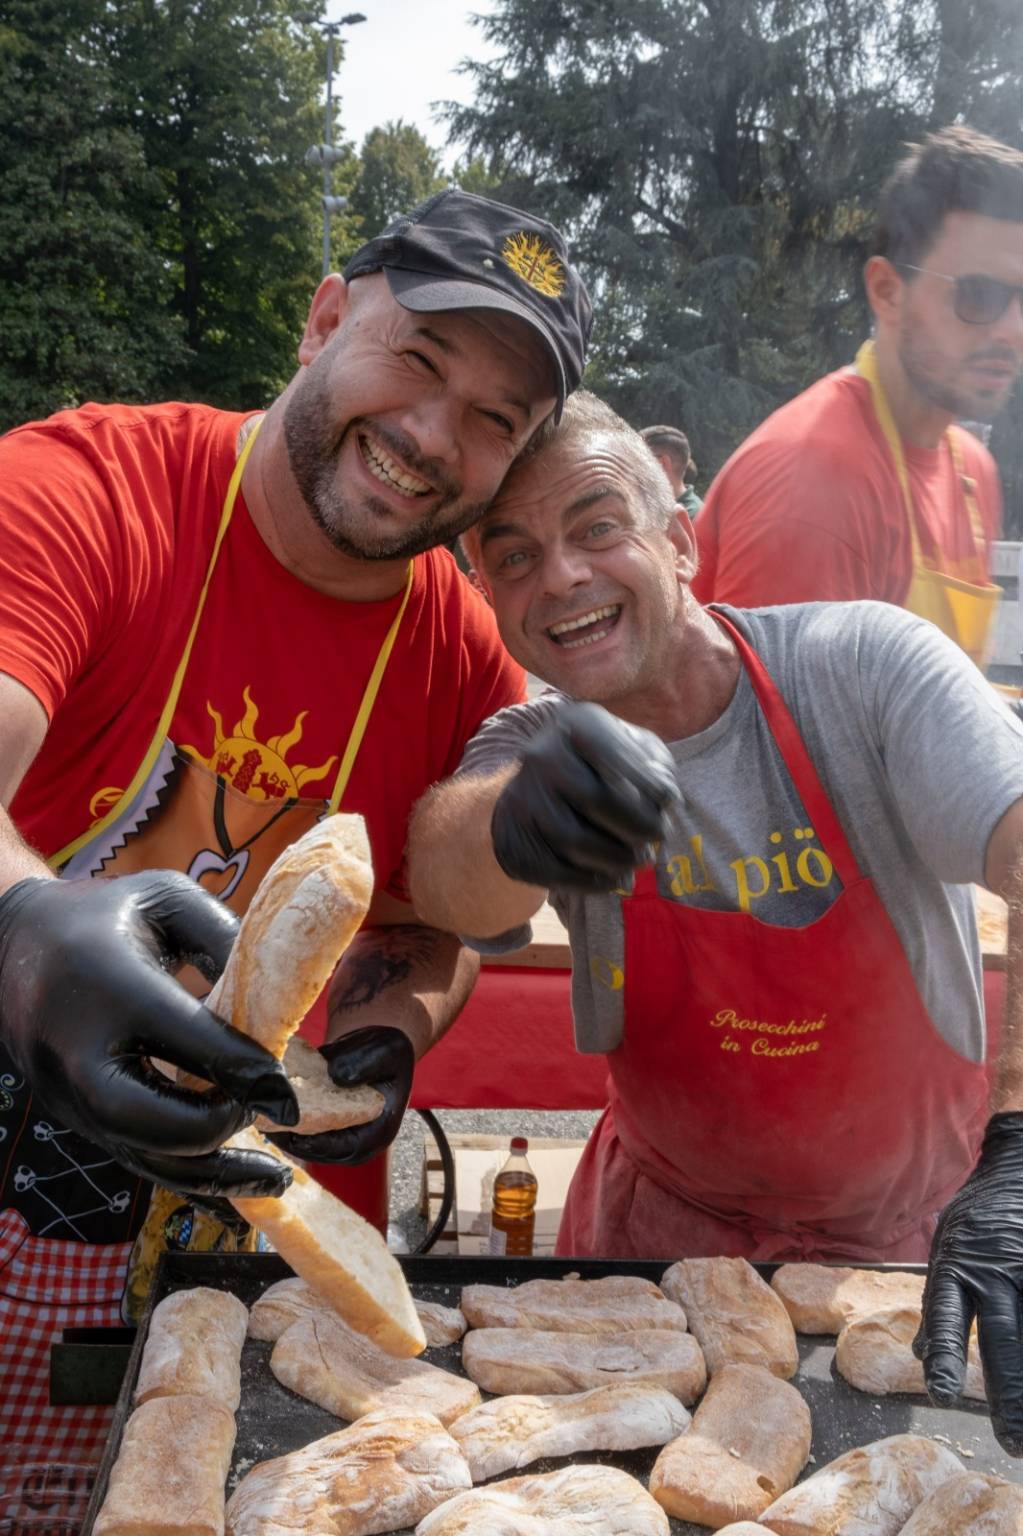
(325, 154)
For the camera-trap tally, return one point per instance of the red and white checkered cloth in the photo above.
(47, 1454)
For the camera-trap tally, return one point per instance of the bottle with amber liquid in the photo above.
(513, 1212)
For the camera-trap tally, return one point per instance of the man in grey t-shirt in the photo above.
(760, 828)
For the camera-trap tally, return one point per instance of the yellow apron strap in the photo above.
(163, 726)
(976, 521)
(368, 700)
(866, 366)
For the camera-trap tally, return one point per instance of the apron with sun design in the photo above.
(221, 817)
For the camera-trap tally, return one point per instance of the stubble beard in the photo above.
(922, 363)
(313, 453)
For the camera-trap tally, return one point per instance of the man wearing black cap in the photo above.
(214, 629)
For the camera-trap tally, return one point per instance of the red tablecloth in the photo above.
(512, 1047)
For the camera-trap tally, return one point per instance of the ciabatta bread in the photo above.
(309, 906)
(875, 1354)
(506, 1360)
(969, 1505)
(874, 1489)
(748, 1442)
(508, 1433)
(337, 1253)
(168, 1479)
(820, 1298)
(307, 909)
(734, 1314)
(322, 1104)
(382, 1474)
(287, 1301)
(194, 1347)
(281, 1304)
(575, 1501)
(321, 1359)
(614, 1304)
(442, 1325)
(744, 1528)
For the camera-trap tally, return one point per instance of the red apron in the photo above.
(779, 1093)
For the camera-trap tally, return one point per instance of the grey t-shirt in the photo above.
(917, 754)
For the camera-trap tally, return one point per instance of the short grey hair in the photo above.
(586, 415)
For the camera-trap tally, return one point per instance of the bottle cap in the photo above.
(520, 1144)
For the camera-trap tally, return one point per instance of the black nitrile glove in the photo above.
(382, 1057)
(590, 796)
(976, 1270)
(86, 999)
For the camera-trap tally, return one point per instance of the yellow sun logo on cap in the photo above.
(533, 260)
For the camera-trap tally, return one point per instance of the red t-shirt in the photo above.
(107, 520)
(809, 507)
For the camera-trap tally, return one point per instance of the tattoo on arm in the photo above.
(380, 959)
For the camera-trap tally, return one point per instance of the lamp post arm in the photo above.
(328, 139)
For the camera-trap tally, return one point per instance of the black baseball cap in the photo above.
(460, 251)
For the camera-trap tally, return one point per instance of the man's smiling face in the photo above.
(401, 428)
(583, 569)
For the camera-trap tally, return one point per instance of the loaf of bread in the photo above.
(614, 1304)
(744, 1528)
(281, 1304)
(306, 911)
(575, 1501)
(194, 1347)
(512, 1432)
(506, 1360)
(822, 1299)
(875, 1354)
(322, 1104)
(442, 1325)
(971, 1504)
(382, 1474)
(748, 1442)
(337, 1253)
(321, 1359)
(303, 916)
(287, 1301)
(734, 1314)
(168, 1479)
(309, 906)
(874, 1488)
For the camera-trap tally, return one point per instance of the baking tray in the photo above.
(272, 1420)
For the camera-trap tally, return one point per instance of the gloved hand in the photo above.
(377, 1055)
(976, 1269)
(590, 796)
(86, 999)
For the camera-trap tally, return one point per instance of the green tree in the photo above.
(224, 97)
(397, 169)
(478, 174)
(85, 299)
(716, 164)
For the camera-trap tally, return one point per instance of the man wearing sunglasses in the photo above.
(863, 486)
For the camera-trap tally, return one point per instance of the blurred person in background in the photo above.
(863, 486)
(670, 447)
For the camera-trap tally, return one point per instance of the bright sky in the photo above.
(402, 58)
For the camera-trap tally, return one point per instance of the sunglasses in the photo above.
(978, 299)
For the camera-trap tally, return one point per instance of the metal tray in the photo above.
(272, 1420)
